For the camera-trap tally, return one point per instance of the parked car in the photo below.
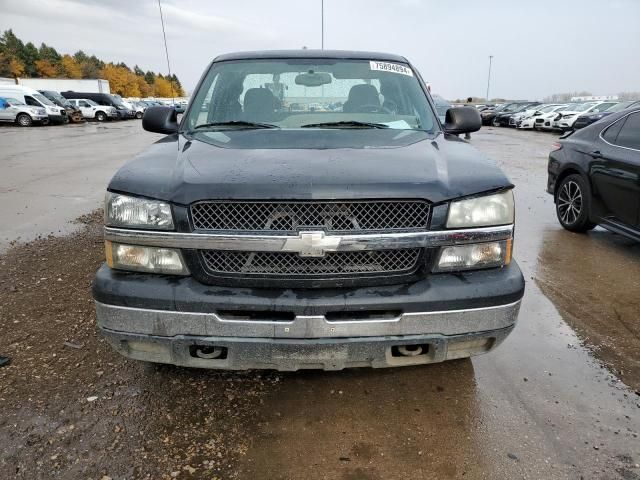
(516, 119)
(105, 99)
(588, 118)
(551, 118)
(537, 119)
(34, 98)
(489, 114)
(73, 114)
(565, 118)
(16, 111)
(593, 176)
(91, 110)
(360, 237)
(503, 118)
(139, 108)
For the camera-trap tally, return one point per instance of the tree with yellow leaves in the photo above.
(18, 59)
(162, 87)
(16, 67)
(46, 69)
(69, 67)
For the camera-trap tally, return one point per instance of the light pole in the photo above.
(489, 76)
(322, 21)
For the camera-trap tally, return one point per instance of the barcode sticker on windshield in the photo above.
(391, 67)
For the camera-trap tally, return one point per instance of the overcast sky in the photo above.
(540, 47)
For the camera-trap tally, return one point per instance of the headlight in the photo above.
(474, 256)
(126, 211)
(483, 211)
(166, 261)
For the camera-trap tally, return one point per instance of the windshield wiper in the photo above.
(242, 124)
(345, 124)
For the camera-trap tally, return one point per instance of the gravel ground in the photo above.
(72, 408)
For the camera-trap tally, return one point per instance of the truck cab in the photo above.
(309, 210)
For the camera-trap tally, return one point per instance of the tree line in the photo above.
(19, 59)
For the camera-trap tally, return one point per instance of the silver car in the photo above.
(16, 111)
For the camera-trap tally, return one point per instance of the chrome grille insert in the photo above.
(332, 217)
(332, 264)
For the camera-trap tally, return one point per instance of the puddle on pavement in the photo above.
(594, 281)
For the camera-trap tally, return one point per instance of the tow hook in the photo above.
(208, 352)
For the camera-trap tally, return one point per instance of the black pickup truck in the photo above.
(353, 230)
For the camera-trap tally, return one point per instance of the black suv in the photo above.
(258, 235)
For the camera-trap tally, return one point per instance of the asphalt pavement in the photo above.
(559, 399)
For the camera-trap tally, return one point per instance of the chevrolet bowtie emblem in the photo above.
(312, 244)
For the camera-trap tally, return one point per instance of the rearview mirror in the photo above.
(462, 120)
(160, 120)
(313, 79)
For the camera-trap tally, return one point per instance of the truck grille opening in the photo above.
(338, 216)
(331, 265)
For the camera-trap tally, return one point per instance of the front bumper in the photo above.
(161, 319)
(57, 118)
(293, 354)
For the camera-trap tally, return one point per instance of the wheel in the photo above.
(495, 122)
(138, 115)
(573, 198)
(101, 116)
(24, 120)
(66, 120)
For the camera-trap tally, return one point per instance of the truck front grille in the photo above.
(332, 264)
(291, 217)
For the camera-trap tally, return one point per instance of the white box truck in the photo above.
(67, 84)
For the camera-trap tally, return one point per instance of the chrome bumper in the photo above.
(307, 341)
(166, 323)
(291, 354)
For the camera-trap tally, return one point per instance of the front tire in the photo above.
(495, 122)
(101, 116)
(138, 115)
(573, 199)
(24, 120)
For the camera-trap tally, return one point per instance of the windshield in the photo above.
(618, 107)
(311, 93)
(59, 98)
(524, 107)
(582, 107)
(549, 108)
(42, 99)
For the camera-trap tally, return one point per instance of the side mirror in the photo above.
(462, 120)
(160, 120)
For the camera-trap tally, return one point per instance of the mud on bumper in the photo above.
(232, 353)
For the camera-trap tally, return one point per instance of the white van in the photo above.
(35, 99)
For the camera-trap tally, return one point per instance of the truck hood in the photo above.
(309, 164)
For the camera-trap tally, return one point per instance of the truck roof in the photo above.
(304, 53)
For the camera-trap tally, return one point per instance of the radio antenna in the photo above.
(166, 51)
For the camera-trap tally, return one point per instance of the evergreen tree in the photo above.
(29, 57)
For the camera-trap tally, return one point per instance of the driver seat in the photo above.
(359, 96)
